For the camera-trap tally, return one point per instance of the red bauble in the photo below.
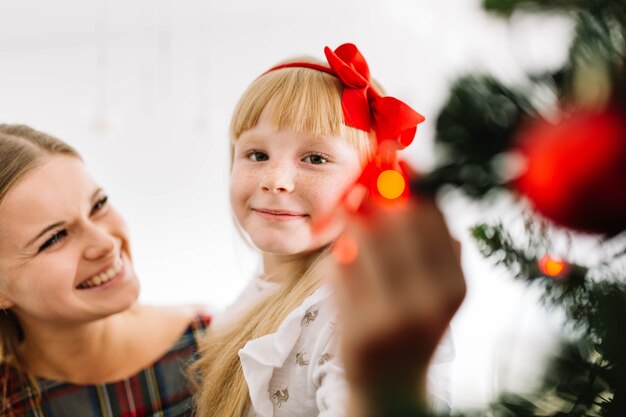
(576, 171)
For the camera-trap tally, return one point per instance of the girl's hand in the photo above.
(396, 299)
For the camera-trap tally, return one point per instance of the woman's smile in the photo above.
(109, 276)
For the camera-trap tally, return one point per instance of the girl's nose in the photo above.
(277, 179)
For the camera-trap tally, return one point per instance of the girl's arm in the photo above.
(396, 300)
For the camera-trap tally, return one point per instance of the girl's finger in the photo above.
(441, 253)
(355, 264)
(398, 247)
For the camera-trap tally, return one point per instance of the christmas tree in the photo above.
(567, 163)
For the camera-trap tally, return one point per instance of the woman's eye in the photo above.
(100, 204)
(315, 159)
(56, 238)
(258, 156)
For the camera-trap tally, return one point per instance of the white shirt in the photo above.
(296, 371)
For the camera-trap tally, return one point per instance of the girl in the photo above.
(73, 340)
(301, 135)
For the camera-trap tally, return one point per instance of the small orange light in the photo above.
(345, 250)
(552, 267)
(390, 184)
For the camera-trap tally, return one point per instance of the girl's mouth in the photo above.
(279, 215)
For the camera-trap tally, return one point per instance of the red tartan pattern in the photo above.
(162, 389)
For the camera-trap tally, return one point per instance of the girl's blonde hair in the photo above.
(302, 100)
(21, 150)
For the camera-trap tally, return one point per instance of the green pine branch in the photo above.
(480, 122)
(506, 8)
(477, 124)
(586, 377)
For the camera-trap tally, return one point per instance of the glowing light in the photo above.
(390, 184)
(552, 267)
(345, 250)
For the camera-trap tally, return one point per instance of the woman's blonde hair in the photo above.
(21, 150)
(302, 100)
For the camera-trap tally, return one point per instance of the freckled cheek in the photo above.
(323, 197)
(330, 189)
(236, 205)
(242, 183)
(240, 192)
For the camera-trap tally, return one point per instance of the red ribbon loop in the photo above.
(363, 107)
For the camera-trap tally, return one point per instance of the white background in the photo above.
(144, 89)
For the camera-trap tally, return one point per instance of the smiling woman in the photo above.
(67, 284)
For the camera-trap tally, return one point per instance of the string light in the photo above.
(390, 184)
(345, 250)
(552, 267)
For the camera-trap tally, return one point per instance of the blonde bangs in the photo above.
(300, 99)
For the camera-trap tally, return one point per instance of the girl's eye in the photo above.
(56, 238)
(316, 159)
(257, 156)
(100, 204)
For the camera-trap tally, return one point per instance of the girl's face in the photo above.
(283, 182)
(64, 254)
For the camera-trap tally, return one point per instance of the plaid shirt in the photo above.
(161, 390)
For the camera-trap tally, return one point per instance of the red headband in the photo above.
(363, 107)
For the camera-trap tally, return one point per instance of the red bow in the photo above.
(393, 121)
(363, 107)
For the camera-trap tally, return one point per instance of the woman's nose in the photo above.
(100, 243)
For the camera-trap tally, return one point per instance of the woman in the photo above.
(73, 340)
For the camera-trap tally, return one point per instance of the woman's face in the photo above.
(283, 182)
(64, 250)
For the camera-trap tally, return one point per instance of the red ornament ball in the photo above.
(576, 170)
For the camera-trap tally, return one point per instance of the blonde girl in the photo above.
(299, 141)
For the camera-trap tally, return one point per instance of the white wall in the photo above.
(144, 90)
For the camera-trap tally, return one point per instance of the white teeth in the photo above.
(103, 277)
